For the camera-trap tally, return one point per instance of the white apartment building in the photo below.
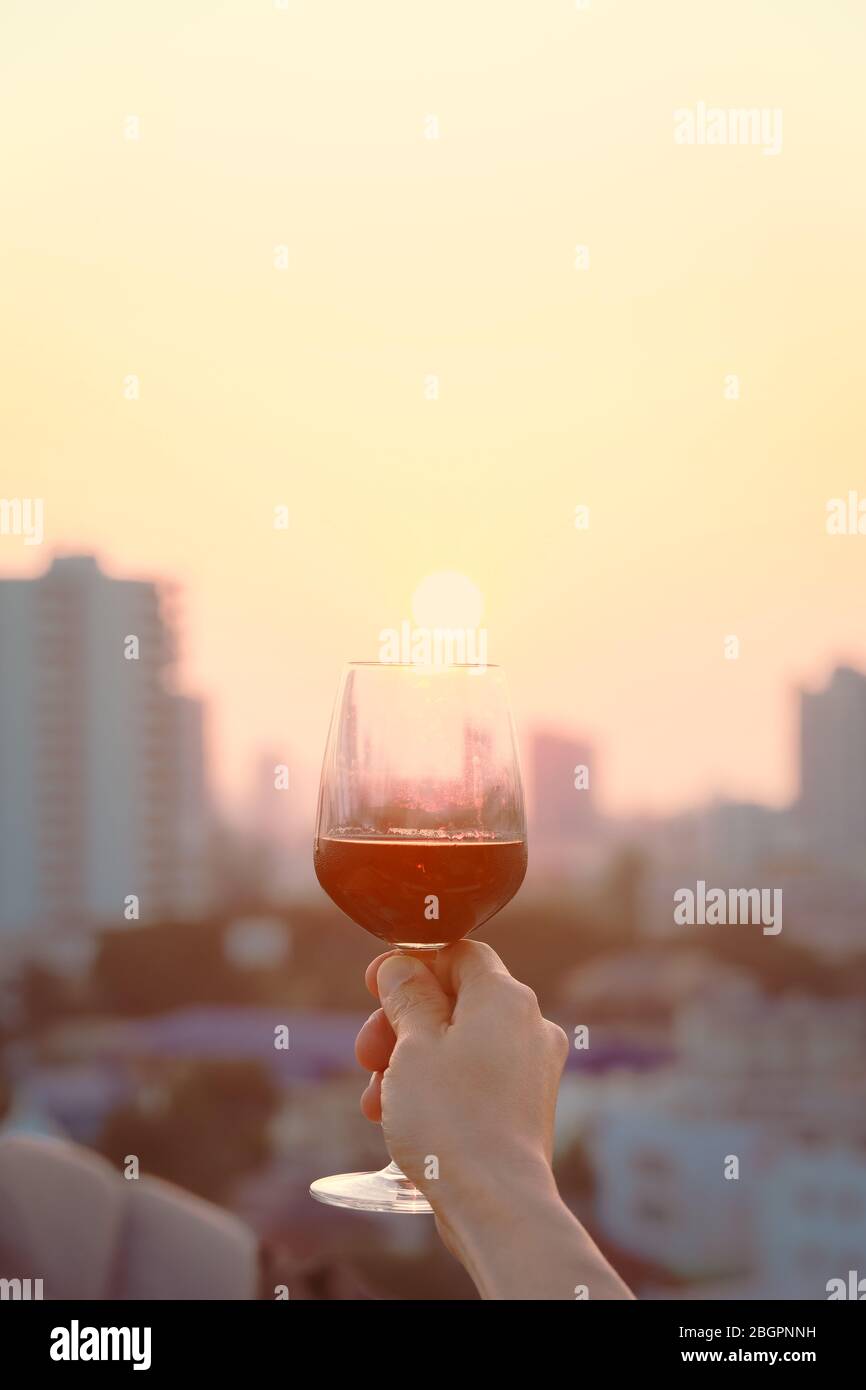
(780, 1083)
(753, 1035)
(811, 1220)
(102, 786)
(832, 805)
(663, 1193)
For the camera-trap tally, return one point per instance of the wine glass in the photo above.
(421, 831)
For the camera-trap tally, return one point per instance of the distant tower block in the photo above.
(832, 802)
(102, 788)
(560, 809)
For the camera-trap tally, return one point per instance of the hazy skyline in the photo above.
(454, 257)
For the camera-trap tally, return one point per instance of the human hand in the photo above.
(466, 1072)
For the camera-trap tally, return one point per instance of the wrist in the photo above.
(483, 1210)
(499, 1246)
(516, 1238)
(482, 1192)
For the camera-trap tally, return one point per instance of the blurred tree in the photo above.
(202, 1126)
(621, 894)
(144, 970)
(44, 996)
(5, 1093)
(575, 1173)
(789, 965)
(147, 970)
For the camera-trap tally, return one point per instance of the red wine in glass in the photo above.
(386, 885)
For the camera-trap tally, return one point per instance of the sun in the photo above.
(447, 599)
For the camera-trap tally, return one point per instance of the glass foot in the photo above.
(387, 1190)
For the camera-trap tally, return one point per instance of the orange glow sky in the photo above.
(453, 257)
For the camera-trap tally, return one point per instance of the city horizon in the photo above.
(235, 757)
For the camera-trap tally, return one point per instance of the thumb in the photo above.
(411, 996)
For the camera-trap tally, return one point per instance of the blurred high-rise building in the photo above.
(833, 769)
(564, 823)
(273, 823)
(102, 775)
(563, 785)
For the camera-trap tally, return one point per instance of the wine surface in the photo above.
(420, 892)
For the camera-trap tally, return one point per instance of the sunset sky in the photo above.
(454, 257)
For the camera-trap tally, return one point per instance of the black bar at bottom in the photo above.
(260, 1339)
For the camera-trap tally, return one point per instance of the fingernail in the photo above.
(394, 972)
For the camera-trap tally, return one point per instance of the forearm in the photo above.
(520, 1241)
